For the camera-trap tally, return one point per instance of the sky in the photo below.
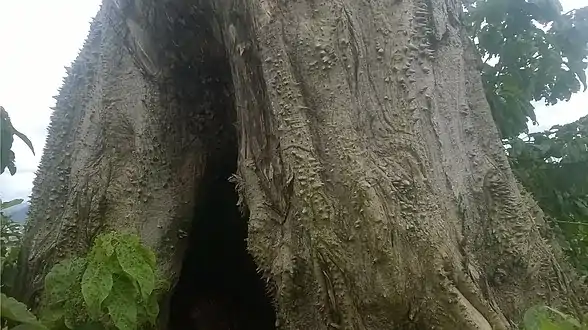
(40, 38)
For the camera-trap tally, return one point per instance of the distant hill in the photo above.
(17, 213)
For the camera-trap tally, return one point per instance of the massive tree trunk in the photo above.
(369, 171)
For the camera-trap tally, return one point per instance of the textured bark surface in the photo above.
(378, 192)
(132, 133)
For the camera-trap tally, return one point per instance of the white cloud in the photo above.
(40, 37)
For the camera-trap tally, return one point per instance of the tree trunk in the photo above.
(376, 187)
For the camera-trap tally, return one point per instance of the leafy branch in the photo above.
(7, 131)
(530, 51)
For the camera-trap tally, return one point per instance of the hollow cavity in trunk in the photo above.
(219, 287)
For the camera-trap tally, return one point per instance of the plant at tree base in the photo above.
(547, 318)
(530, 51)
(10, 241)
(113, 287)
(12, 310)
(552, 165)
(6, 138)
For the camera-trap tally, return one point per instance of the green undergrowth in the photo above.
(10, 238)
(547, 318)
(113, 287)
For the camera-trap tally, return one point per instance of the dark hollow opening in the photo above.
(219, 286)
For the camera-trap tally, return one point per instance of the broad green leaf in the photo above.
(7, 131)
(96, 284)
(26, 326)
(122, 305)
(532, 318)
(52, 316)
(547, 318)
(14, 310)
(62, 277)
(565, 321)
(90, 326)
(130, 258)
(24, 139)
(149, 256)
(152, 309)
(11, 166)
(69, 321)
(11, 203)
(75, 309)
(106, 243)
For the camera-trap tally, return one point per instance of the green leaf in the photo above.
(105, 243)
(130, 257)
(27, 326)
(61, 278)
(90, 326)
(122, 305)
(11, 166)
(152, 309)
(69, 321)
(52, 316)
(547, 318)
(6, 139)
(149, 256)
(75, 309)
(96, 283)
(14, 310)
(24, 139)
(11, 203)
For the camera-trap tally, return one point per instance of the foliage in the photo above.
(547, 318)
(10, 237)
(530, 52)
(6, 138)
(553, 165)
(113, 287)
(13, 310)
(5, 205)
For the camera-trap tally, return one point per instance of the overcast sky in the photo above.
(39, 38)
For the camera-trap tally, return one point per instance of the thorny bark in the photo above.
(378, 190)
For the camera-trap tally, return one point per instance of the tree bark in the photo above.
(378, 191)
